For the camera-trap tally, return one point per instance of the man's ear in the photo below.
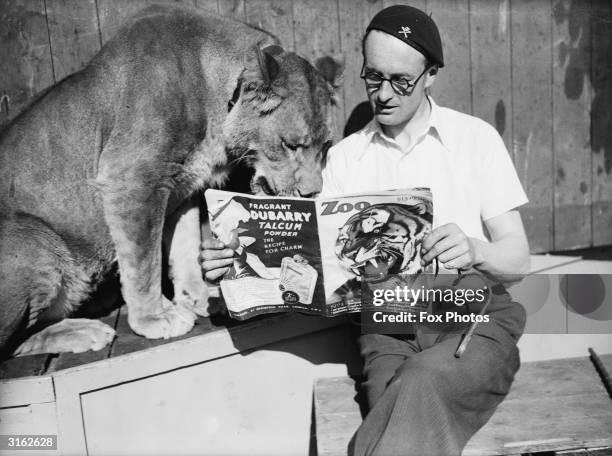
(430, 77)
(331, 68)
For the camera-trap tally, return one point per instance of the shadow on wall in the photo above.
(598, 69)
(359, 118)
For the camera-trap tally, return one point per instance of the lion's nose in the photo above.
(307, 195)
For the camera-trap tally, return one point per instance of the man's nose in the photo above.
(385, 92)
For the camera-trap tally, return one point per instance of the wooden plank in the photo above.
(588, 293)
(490, 51)
(532, 116)
(542, 263)
(70, 383)
(561, 378)
(316, 30)
(24, 366)
(274, 16)
(233, 8)
(601, 121)
(581, 421)
(335, 413)
(420, 4)
(567, 392)
(354, 16)
(73, 33)
(114, 13)
(25, 57)
(70, 426)
(35, 419)
(571, 124)
(209, 5)
(25, 391)
(127, 341)
(179, 353)
(453, 83)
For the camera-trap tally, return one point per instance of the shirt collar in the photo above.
(373, 130)
(436, 123)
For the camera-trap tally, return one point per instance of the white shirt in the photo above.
(461, 158)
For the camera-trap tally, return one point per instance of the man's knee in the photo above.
(427, 374)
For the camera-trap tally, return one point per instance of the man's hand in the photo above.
(215, 258)
(450, 246)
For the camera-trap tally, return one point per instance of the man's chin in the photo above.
(386, 119)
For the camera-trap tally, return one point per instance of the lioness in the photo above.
(93, 168)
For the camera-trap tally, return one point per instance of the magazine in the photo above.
(314, 255)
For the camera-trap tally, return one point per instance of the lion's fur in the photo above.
(90, 170)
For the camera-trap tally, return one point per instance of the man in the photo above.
(421, 399)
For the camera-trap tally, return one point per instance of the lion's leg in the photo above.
(40, 284)
(135, 218)
(183, 238)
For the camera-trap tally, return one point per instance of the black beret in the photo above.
(412, 26)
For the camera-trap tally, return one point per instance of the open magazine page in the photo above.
(369, 239)
(278, 263)
(317, 256)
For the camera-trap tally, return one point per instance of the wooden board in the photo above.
(571, 36)
(73, 34)
(601, 121)
(420, 4)
(532, 116)
(316, 31)
(491, 70)
(114, 13)
(26, 391)
(354, 16)
(209, 5)
(274, 16)
(337, 415)
(453, 84)
(567, 392)
(25, 58)
(233, 8)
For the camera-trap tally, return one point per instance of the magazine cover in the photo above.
(314, 256)
(278, 262)
(366, 239)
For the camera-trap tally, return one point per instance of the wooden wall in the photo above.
(539, 70)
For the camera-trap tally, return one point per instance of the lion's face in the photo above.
(282, 122)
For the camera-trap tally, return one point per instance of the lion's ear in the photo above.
(268, 66)
(274, 50)
(332, 69)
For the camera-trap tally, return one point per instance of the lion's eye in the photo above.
(292, 146)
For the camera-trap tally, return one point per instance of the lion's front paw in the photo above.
(75, 335)
(192, 294)
(172, 321)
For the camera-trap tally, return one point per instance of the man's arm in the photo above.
(508, 251)
(506, 255)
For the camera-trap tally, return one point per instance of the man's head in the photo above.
(402, 51)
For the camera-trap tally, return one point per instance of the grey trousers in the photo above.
(424, 401)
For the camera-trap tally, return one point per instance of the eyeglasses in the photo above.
(400, 85)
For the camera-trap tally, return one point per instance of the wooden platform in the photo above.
(126, 341)
(80, 398)
(75, 396)
(553, 406)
